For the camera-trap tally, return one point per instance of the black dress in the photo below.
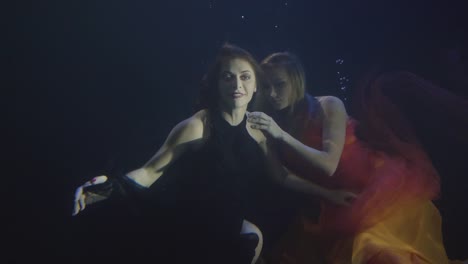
(196, 209)
(219, 185)
(212, 189)
(194, 212)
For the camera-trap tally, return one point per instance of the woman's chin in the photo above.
(278, 107)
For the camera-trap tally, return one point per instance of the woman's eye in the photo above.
(227, 77)
(245, 77)
(280, 85)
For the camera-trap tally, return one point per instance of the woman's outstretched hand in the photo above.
(262, 121)
(341, 197)
(83, 197)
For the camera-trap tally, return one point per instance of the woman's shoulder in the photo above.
(331, 104)
(311, 103)
(329, 100)
(200, 118)
(192, 128)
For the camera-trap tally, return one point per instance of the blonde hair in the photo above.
(294, 70)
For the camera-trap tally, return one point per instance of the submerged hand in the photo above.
(341, 197)
(83, 197)
(262, 121)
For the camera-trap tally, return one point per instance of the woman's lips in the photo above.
(237, 95)
(275, 101)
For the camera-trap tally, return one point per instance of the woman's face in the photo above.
(280, 89)
(236, 83)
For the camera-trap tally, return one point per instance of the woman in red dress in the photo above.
(392, 219)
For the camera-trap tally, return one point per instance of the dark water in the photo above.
(94, 87)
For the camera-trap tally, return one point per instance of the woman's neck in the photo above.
(234, 116)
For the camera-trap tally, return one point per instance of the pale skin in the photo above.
(237, 85)
(333, 118)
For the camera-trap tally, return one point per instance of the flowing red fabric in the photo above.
(389, 104)
(383, 182)
(393, 219)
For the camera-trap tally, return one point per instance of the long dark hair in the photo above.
(209, 95)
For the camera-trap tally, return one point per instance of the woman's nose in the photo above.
(272, 92)
(238, 83)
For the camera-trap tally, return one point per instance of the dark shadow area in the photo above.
(94, 87)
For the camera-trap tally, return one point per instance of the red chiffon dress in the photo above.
(393, 219)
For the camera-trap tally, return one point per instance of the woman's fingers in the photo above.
(254, 114)
(76, 208)
(76, 200)
(260, 121)
(259, 116)
(344, 198)
(82, 202)
(80, 196)
(261, 127)
(349, 198)
(91, 198)
(95, 181)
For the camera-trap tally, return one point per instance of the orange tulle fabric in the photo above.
(392, 220)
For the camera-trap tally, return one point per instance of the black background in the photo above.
(95, 86)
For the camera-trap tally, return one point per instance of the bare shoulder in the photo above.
(189, 129)
(331, 104)
(330, 101)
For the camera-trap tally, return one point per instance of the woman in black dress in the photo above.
(210, 175)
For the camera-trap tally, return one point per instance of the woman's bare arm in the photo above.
(187, 134)
(295, 183)
(333, 135)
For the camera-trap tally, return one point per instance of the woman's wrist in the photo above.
(283, 136)
(317, 190)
